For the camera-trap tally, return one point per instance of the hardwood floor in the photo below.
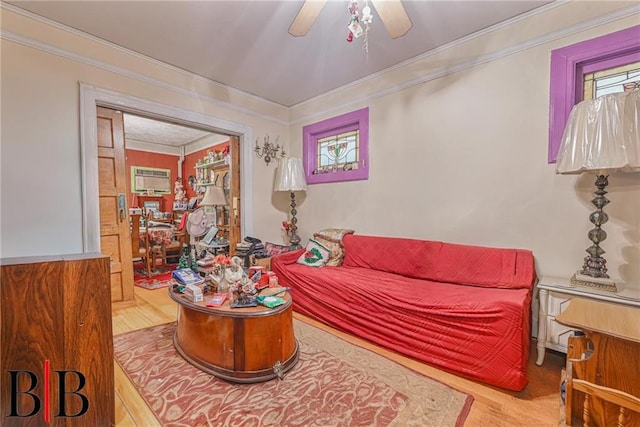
(536, 405)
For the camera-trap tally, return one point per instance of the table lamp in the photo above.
(213, 196)
(290, 177)
(601, 137)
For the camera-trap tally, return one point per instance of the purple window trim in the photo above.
(347, 122)
(568, 66)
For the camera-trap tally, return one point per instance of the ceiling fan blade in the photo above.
(393, 16)
(306, 17)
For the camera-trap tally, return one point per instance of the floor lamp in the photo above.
(290, 177)
(601, 137)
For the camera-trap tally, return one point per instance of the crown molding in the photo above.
(443, 72)
(206, 142)
(30, 42)
(353, 102)
(152, 147)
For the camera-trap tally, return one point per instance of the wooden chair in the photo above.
(624, 402)
(141, 248)
(603, 374)
(171, 250)
(164, 250)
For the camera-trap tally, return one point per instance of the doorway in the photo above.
(92, 97)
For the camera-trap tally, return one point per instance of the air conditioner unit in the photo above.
(144, 179)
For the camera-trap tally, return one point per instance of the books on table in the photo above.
(217, 300)
(186, 276)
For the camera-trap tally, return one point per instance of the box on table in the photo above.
(273, 279)
(193, 293)
(263, 262)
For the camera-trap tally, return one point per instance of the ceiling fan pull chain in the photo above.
(367, 17)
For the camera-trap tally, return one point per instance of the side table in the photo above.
(554, 294)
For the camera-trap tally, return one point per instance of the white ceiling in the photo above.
(245, 44)
(139, 131)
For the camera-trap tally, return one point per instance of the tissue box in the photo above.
(193, 293)
(262, 262)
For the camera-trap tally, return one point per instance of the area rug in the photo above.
(335, 383)
(160, 276)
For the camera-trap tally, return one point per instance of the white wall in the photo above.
(42, 66)
(458, 142)
(463, 157)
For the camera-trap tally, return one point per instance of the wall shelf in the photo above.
(216, 164)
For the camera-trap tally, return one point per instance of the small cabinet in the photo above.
(555, 295)
(551, 334)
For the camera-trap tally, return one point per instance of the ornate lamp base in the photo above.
(294, 239)
(594, 270)
(600, 283)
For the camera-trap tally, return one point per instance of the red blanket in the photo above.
(477, 331)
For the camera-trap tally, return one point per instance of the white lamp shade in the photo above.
(602, 135)
(214, 196)
(290, 175)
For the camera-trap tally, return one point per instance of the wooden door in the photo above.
(115, 237)
(235, 231)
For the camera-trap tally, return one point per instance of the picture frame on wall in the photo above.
(152, 205)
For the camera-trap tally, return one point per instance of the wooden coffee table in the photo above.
(244, 345)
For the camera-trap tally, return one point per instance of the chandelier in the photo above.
(268, 150)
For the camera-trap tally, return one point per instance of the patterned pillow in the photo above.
(315, 255)
(335, 248)
(335, 233)
(273, 249)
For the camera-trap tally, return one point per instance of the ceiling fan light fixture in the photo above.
(391, 12)
(355, 29)
(306, 16)
(393, 16)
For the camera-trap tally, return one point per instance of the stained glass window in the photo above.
(338, 151)
(570, 64)
(612, 80)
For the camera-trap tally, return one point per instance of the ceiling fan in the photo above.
(391, 13)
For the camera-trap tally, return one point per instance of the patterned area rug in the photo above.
(160, 276)
(335, 383)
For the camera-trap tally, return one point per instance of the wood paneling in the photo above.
(57, 309)
(235, 209)
(106, 170)
(115, 235)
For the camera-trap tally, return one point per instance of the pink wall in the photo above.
(166, 161)
(151, 160)
(190, 161)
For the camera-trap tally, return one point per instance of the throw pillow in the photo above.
(335, 248)
(335, 233)
(315, 255)
(273, 249)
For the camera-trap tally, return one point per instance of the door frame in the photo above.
(91, 97)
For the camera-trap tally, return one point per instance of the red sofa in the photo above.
(464, 309)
